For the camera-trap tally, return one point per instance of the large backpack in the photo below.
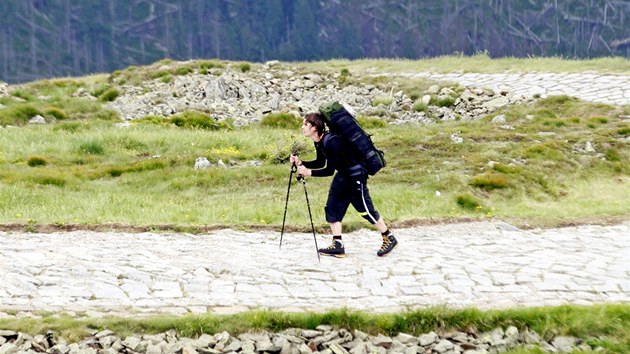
(343, 124)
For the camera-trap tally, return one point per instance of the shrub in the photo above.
(557, 100)
(114, 75)
(147, 165)
(414, 94)
(18, 115)
(624, 131)
(25, 95)
(109, 95)
(100, 90)
(92, 148)
(166, 78)
(50, 180)
(544, 113)
(468, 202)
(283, 151)
(69, 127)
(210, 64)
(343, 77)
(489, 181)
(386, 101)
(158, 74)
(151, 119)
(192, 119)
(371, 122)
(281, 120)
(420, 107)
(58, 113)
(442, 102)
(245, 67)
(499, 167)
(545, 151)
(115, 171)
(36, 161)
(106, 114)
(612, 154)
(598, 120)
(183, 70)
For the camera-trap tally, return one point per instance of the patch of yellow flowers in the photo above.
(225, 151)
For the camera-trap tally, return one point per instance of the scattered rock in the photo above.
(456, 139)
(202, 163)
(247, 97)
(325, 339)
(499, 119)
(37, 120)
(4, 89)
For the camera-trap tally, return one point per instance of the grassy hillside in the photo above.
(560, 161)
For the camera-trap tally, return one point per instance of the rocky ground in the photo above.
(323, 339)
(248, 96)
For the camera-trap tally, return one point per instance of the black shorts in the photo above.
(346, 190)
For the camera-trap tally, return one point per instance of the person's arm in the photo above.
(332, 149)
(319, 162)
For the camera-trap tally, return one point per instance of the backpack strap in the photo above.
(325, 140)
(344, 153)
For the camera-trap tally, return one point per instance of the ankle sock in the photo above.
(386, 233)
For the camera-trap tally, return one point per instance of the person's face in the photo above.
(307, 128)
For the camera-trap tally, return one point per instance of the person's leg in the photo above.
(362, 202)
(381, 226)
(336, 207)
(335, 228)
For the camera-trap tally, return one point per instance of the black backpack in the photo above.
(342, 123)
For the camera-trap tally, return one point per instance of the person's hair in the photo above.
(317, 121)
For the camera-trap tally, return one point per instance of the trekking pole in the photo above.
(301, 178)
(286, 203)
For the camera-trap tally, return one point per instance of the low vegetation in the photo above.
(606, 326)
(281, 120)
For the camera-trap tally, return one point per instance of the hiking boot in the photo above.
(389, 242)
(335, 249)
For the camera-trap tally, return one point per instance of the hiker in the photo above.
(348, 185)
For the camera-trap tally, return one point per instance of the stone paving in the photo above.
(482, 264)
(610, 89)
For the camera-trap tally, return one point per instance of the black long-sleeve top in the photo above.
(330, 156)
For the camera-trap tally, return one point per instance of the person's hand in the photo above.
(295, 160)
(303, 171)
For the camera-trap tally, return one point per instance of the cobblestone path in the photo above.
(484, 265)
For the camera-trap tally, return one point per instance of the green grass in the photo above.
(480, 63)
(96, 173)
(607, 326)
(281, 120)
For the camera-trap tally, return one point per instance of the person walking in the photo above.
(349, 185)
